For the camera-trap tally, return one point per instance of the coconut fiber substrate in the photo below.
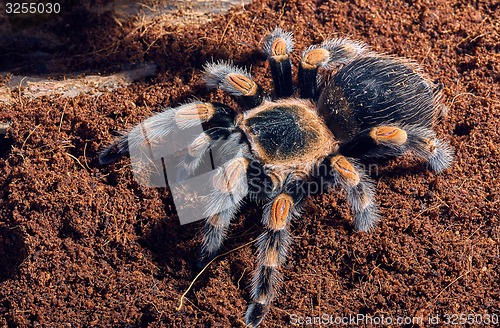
(85, 245)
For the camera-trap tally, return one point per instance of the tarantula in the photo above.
(355, 106)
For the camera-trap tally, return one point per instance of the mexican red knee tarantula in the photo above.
(362, 106)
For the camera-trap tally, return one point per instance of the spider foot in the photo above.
(437, 153)
(255, 314)
(114, 152)
(441, 155)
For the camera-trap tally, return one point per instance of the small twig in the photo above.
(282, 11)
(460, 95)
(77, 160)
(150, 8)
(181, 302)
(468, 39)
(472, 95)
(450, 284)
(225, 30)
(20, 92)
(242, 274)
(435, 207)
(29, 135)
(62, 116)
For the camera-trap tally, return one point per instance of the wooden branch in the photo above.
(34, 87)
(176, 12)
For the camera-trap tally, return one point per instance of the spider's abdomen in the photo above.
(372, 91)
(287, 133)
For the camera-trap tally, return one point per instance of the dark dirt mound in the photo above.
(85, 245)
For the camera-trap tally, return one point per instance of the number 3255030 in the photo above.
(32, 8)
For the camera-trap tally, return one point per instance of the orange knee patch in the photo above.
(389, 134)
(280, 210)
(198, 111)
(199, 145)
(229, 179)
(314, 58)
(345, 169)
(278, 50)
(242, 83)
(215, 221)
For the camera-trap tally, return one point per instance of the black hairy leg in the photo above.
(277, 46)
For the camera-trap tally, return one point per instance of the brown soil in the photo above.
(85, 245)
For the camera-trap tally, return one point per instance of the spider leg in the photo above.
(273, 245)
(277, 46)
(379, 141)
(383, 141)
(198, 149)
(155, 129)
(115, 151)
(325, 55)
(263, 184)
(229, 185)
(359, 187)
(260, 186)
(236, 81)
(436, 152)
(214, 232)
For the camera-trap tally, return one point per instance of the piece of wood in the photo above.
(34, 87)
(177, 12)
